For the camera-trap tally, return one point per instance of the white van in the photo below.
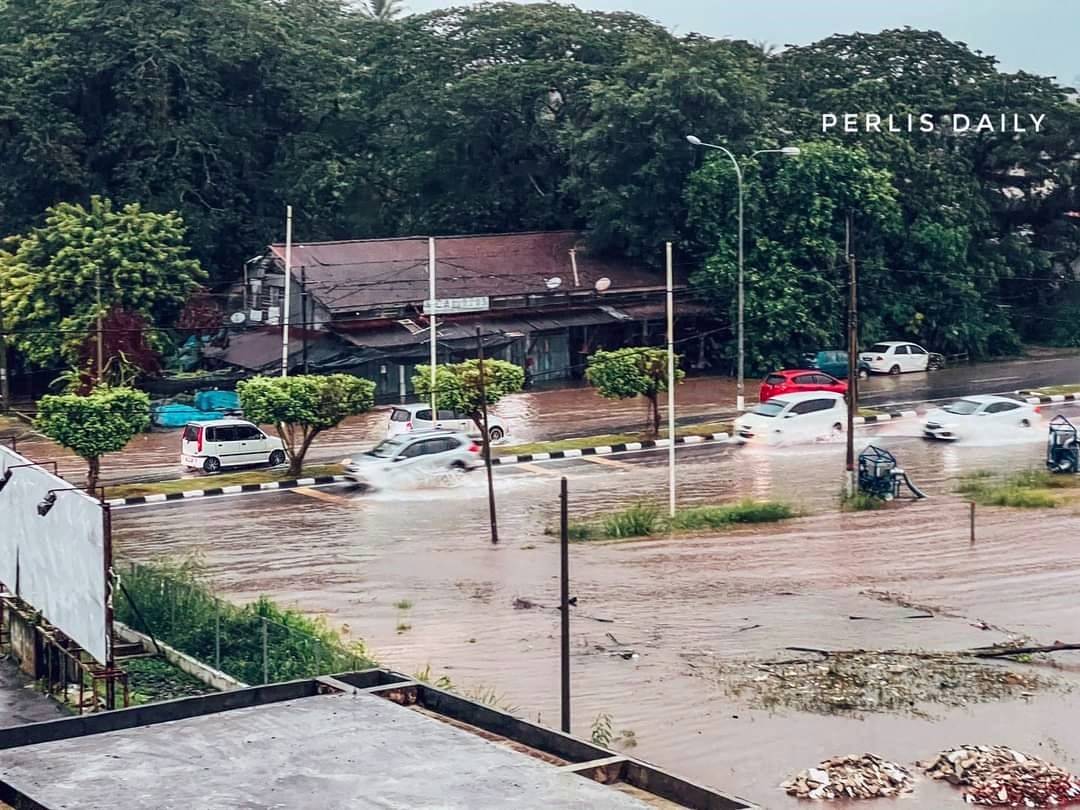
(416, 417)
(804, 416)
(209, 446)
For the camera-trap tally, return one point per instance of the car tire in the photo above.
(894, 370)
(496, 433)
(211, 465)
(863, 374)
(277, 458)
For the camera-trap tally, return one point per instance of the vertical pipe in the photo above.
(288, 288)
(265, 651)
(217, 635)
(304, 311)
(740, 399)
(431, 323)
(401, 382)
(564, 603)
(853, 366)
(487, 439)
(100, 334)
(973, 523)
(110, 663)
(671, 383)
(5, 385)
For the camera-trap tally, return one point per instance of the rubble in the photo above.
(851, 777)
(998, 776)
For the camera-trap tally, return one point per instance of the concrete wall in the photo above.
(24, 642)
(182, 661)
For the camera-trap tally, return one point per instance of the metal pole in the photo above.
(217, 635)
(288, 286)
(740, 401)
(973, 523)
(110, 662)
(265, 651)
(564, 602)
(487, 439)
(852, 364)
(671, 383)
(100, 334)
(5, 385)
(304, 315)
(431, 323)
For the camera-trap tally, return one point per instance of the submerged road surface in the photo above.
(737, 595)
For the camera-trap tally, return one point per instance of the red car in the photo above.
(792, 381)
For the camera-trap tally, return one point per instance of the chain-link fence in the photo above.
(255, 643)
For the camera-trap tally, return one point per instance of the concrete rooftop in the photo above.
(327, 751)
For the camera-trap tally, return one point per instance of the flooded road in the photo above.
(675, 602)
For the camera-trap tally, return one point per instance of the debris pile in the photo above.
(999, 776)
(851, 777)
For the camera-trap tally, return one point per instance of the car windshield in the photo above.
(880, 348)
(962, 407)
(387, 448)
(770, 408)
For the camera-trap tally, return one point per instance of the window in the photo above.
(824, 379)
(399, 415)
(1002, 407)
(446, 416)
(191, 433)
(774, 379)
(901, 350)
(387, 448)
(770, 408)
(423, 448)
(223, 434)
(880, 348)
(916, 349)
(962, 407)
(423, 416)
(806, 379)
(812, 406)
(247, 433)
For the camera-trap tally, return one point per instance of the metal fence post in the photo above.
(217, 635)
(265, 651)
(318, 657)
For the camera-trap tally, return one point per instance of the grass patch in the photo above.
(154, 679)
(860, 502)
(403, 604)
(647, 520)
(1028, 489)
(581, 442)
(1051, 390)
(403, 627)
(219, 480)
(179, 608)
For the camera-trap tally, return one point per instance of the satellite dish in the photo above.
(602, 284)
(238, 318)
(553, 283)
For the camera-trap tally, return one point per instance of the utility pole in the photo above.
(304, 305)
(853, 361)
(431, 324)
(564, 604)
(487, 439)
(100, 334)
(671, 383)
(288, 286)
(5, 385)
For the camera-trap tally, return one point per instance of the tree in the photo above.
(50, 277)
(303, 406)
(457, 385)
(384, 10)
(632, 372)
(102, 422)
(127, 352)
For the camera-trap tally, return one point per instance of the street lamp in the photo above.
(788, 151)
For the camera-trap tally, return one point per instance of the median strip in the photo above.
(235, 489)
(610, 449)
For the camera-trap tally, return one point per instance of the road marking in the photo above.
(525, 465)
(995, 379)
(607, 461)
(318, 495)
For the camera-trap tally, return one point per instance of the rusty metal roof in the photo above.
(359, 275)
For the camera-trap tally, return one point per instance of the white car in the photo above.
(417, 417)
(975, 415)
(802, 416)
(431, 454)
(209, 446)
(895, 357)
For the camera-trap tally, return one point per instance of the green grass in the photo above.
(403, 604)
(219, 480)
(178, 607)
(403, 627)
(1050, 390)
(1028, 489)
(648, 520)
(581, 442)
(860, 502)
(154, 679)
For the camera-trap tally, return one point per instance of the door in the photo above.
(420, 457)
(804, 382)
(919, 358)
(816, 416)
(252, 444)
(900, 357)
(1003, 413)
(223, 445)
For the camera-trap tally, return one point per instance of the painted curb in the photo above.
(609, 449)
(235, 489)
(1048, 399)
(884, 417)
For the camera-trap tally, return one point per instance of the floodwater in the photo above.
(674, 602)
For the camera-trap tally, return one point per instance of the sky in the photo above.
(1039, 36)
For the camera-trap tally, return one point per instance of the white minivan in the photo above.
(805, 416)
(417, 417)
(209, 446)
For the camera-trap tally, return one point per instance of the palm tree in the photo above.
(383, 9)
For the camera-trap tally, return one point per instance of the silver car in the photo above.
(438, 455)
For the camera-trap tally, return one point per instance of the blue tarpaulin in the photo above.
(176, 415)
(217, 401)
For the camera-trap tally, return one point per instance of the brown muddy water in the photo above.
(735, 596)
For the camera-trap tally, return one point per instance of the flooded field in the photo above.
(650, 612)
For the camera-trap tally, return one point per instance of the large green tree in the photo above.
(50, 278)
(458, 385)
(633, 372)
(102, 422)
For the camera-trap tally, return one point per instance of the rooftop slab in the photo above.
(330, 751)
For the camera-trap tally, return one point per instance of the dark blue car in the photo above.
(835, 363)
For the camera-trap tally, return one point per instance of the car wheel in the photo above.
(277, 458)
(894, 370)
(863, 373)
(211, 465)
(496, 433)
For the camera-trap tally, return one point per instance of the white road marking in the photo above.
(996, 379)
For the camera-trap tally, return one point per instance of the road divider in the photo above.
(1032, 398)
(884, 417)
(235, 489)
(610, 449)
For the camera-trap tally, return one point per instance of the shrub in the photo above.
(639, 520)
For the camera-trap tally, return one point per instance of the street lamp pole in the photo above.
(790, 151)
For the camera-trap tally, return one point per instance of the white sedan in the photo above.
(894, 357)
(976, 415)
